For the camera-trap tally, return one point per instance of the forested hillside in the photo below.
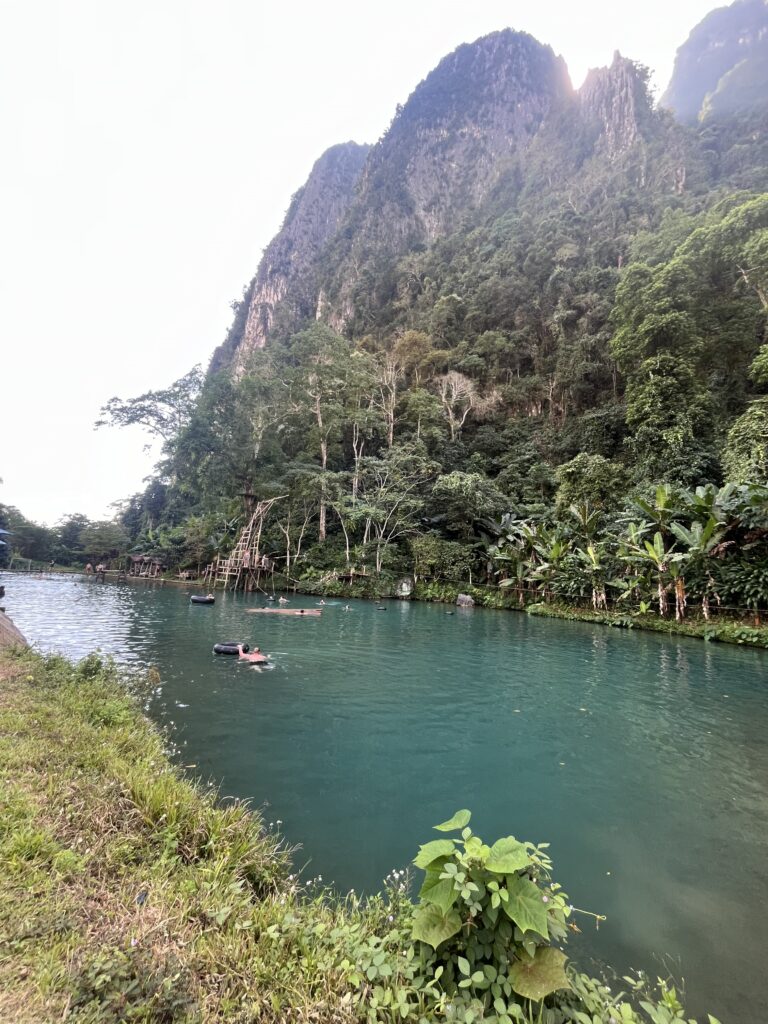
(521, 340)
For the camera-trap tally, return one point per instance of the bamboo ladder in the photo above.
(242, 563)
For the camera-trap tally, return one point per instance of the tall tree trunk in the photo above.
(323, 465)
(358, 446)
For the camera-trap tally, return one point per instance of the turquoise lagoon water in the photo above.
(641, 759)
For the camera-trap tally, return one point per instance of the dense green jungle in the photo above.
(557, 394)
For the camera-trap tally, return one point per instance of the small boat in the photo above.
(229, 648)
(202, 599)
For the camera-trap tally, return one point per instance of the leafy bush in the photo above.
(482, 944)
(120, 985)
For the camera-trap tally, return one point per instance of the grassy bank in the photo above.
(128, 893)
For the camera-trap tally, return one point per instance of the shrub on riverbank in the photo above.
(129, 894)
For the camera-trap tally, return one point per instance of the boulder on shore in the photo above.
(465, 601)
(9, 635)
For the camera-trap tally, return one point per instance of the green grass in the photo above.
(126, 893)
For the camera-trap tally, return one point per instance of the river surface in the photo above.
(642, 759)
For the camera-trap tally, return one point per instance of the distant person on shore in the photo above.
(88, 569)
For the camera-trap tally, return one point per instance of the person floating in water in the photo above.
(255, 656)
(282, 600)
(347, 608)
(321, 601)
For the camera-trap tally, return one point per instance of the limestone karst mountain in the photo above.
(722, 68)
(474, 136)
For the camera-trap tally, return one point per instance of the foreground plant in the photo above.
(482, 944)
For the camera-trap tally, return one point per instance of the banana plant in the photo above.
(516, 570)
(587, 520)
(662, 511)
(510, 554)
(658, 561)
(594, 558)
(549, 551)
(700, 541)
(706, 502)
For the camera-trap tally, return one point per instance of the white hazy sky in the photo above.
(149, 152)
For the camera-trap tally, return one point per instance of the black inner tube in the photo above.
(229, 648)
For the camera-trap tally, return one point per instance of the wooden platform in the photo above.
(302, 613)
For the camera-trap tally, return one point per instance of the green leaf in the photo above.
(432, 926)
(507, 855)
(459, 820)
(524, 906)
(537, 978)
(463, 965)
(437, 890)
(429, 852)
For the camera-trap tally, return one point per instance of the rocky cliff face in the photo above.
(359, 209)
(615, 101)
(481, 106)
(723, 65)
(286, 268)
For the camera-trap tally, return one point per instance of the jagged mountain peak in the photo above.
(617, 98)
(476, 78)
(723, 65)
(481, 106)
(500, 86)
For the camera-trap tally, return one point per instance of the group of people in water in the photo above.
(255, 656)
(321, 603)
